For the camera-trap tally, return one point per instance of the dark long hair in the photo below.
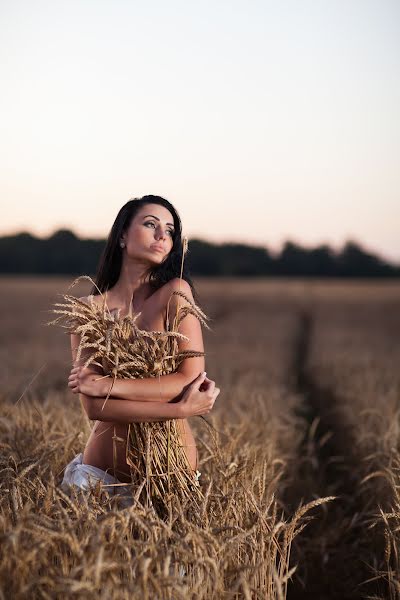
(110, 263)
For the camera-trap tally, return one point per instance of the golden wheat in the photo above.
(239, 543)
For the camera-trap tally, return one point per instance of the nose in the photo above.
(160, 233)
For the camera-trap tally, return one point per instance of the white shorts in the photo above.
(86, 476)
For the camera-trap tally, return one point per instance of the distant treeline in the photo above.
(64, 253)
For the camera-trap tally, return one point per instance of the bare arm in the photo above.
(120, 411)
(157, 389)
(90, 382)
(198, 399)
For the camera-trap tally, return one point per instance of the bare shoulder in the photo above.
(178, 285)
(172, 300)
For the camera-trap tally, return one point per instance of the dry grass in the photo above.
(240, 544)
(64, 549)
(356, 357)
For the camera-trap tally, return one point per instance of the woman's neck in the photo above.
(131, 279)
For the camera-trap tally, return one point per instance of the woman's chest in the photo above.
(151, 320)
(149, 315)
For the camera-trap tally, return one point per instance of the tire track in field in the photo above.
(333, 551)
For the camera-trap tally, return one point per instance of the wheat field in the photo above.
(299, 459)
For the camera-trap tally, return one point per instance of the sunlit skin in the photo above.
(147, 242)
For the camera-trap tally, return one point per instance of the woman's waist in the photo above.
(104, 432)
(106, 447)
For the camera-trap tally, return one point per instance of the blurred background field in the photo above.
(309, 408)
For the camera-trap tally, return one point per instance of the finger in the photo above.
(76, 375)
(199, 380)
(201, 376)
(203, 387)
(205, 384)
(210, 388)
(212, 400)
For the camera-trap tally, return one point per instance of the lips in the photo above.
(158, 248)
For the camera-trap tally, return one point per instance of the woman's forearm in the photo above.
(120, 411)
(151, 389)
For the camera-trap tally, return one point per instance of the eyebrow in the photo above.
(154, 217)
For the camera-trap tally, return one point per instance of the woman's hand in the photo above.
(199, 397)
(88, 382)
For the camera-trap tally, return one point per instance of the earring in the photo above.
(122, 244)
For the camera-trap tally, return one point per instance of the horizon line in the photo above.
(254, 244)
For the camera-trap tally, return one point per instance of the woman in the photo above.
(139, 270)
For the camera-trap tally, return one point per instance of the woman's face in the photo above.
(150, 234)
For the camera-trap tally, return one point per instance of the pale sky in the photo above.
(260, 121)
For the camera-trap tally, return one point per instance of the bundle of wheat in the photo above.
(157, 460)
